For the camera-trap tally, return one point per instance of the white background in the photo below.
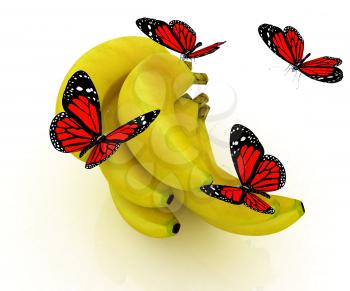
(59, 228)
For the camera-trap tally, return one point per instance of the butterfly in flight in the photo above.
(177, 36)
(257, 172)
(289, 45)
(79, 127)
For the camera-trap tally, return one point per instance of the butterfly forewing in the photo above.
(323, 69)
(133, 127)
(80, 100)
(246, 152)
(205, 51)
(67, 135)
(323, 62)
(275, 39)
(295, 43)
(160, 32)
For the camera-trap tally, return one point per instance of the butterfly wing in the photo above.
(101, 152)
(160, 32)
(228, 194)
(280, 44)
(205, 51)
(80, 125)
(133, 127)
(67, 135)
(184, 34)
(295, 43)
(246, 152)
(108, 146)
(254, 202)
(323, 69)
(269, 176)
(80, 100)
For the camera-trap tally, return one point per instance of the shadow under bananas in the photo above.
(199, 257)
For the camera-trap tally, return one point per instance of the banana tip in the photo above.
(176, 228)
(302, 206)
(170, 199)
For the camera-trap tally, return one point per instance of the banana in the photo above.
(163, 149)
(176, 150)
(233, 218)
(136, 185)
(108, 64)
(153, 222)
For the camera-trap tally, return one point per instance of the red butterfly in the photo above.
(79, 128)
(257, 172)
(177, 36)
(289, 45)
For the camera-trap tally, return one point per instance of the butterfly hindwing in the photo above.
(269, 176)
(237, 196)
(246, 152)
(256, 203)
(101, 152)
(184, 33)
(80, 100)
(233, 195)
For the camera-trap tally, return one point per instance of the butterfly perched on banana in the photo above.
(257, 172)
(79, 128)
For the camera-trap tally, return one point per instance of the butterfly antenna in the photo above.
(295, 76)
(276, 67)
(299, 80)
(287, 70)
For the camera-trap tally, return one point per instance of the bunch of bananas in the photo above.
(173, 157)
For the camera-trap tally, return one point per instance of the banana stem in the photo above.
(188, 64)
(187, 96)
(203, 111)
(200, 78)
(201, 98)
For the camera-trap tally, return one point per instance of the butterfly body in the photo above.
(94, 142)
(289, 45)
(177, 36)
(257, 172)
(79, 127)
(297, 66)
(246, 189)
(187, 54)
